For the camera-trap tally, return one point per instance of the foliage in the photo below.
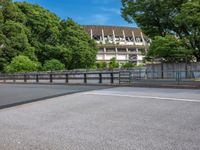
(140, 66)
(104, 65)
(159, 18)
(48, 52)
(128, 65)
(82, 47)
(189, 19)
(169, 48)
(30, 30)
(101, 65)
(22, 64)
(113, 63)
(14, 42)
(52, 65)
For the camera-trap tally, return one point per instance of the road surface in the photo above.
(15, 94)
(110, 119)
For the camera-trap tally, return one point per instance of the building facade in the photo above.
(126, 44)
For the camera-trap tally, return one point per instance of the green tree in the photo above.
(170, 49)
(14, 41)
(101, 65)
(113, 63)
(189, 19)
(21, 64)
(1, 18)
(4, 3)
(154, 17)
(12, 13)
(48, 52)
(104, 65)
(159, 18)
(52, 65)
(43, 24)
(83, 49)
(30, 30)
(128, 65)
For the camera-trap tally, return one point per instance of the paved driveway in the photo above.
(14, 94)
(111, 119)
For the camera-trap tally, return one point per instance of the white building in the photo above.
(126, 44)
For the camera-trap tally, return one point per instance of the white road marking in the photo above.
(146, 97)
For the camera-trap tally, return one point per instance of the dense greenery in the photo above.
(113, 63)
(32, 31)
(22, 64)
(52, 65)
(169, 48)
(180, 18)
(101, 65)
(128, 65)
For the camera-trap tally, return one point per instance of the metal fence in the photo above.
(166, 74)
(136, 77)
(110, 77)
(146, 78)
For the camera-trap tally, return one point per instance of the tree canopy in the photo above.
(30, 30)
(52, 65)
(163, 17)
(22, 64)
(169, 49)
(113, 63)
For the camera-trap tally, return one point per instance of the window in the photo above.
(121, 49)
(132, 50)
(97, 38)
(101, 49)
(110, 49)
(138, 39)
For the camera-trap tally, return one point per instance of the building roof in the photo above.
(108, 30)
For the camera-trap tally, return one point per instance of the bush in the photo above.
(128, 65)
(21, 64)
(53, 64)
(113, 63)
(101, 65)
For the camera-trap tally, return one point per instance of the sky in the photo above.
(86, 12)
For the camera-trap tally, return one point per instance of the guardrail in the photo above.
(111, 77)
(136, 77)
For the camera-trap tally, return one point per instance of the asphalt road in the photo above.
(15, 94)
(111, 119)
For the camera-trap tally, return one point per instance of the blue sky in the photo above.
(86, 12)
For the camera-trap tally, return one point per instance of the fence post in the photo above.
(14, 78)
(4, 78)
(130, 77)
(162, 70)
(140, 73)
(111, 78)
(85, 78)
(178, 77)
(37, 78)
(66, 78)
(25, 79)
(100, 77)
(51, 79)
